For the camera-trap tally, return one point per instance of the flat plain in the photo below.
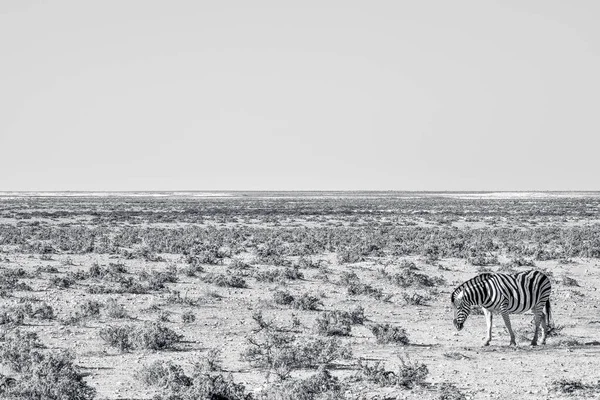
(324, 295)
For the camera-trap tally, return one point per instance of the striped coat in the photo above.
(505, 294)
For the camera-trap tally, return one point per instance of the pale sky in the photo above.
(299, 95)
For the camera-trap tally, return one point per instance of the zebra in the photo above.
(507, 294)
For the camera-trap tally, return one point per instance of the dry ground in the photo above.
(224, 322)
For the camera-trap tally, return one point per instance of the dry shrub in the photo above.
(339, 323)
(414, 299)
(386, 333)
(408, 375)
(19, 350)
(62, 282)
(188, 317)
(567, 281)
(408, 277)
(234, 281)
(279, 275)
(118, 336)
(307, 302)
(449, 391)
(283, 297)
(321, 385)
(42, 376)
(355, 289)
(151, 336)
(575, 387)
(281, 352)
(54, 376)
(175, 384)
(115, 310)
(333, 323)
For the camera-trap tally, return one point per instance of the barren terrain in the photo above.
(294, 296)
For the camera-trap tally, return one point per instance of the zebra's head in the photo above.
(461, 309)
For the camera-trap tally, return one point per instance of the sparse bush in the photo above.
(165, 375)
(321, 385)
(279, 275)
(408, 375)
(355, 289)
(155, 336)
(414, 299)
(571, 386)
(89, 308)
(333, 323)
(454, 355)
(211, 256)
(349, 256)
(118, 336)
(357, 315)
(507, 269)
(52, 376)
(257, 316)
(348, 278)
(151, 336)
(481, 260)
(569, 343)
(176, 298)
(44, 312)
(191, 271)
(175, 384)
(62, 282)
(283, 297)
(280, 353)
(211, 362)
(162, 316)
(522, 262)
(567, 281)
(188, 317)
(115, 310)
(194, 265)
(307, 302)
(19, 350)
(207, 386)
(307, 262)
(408, 277)
(449, 391)
(12, 317)
(238, 264)
(157, 279)
(339, 323)
(386, 333)
(48, 269)
(234, 281)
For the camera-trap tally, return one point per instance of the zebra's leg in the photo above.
(510, 331)
(539, 316)
(488, 319)
(544, 329)
(536, 323)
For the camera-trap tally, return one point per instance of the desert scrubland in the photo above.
(290, 295)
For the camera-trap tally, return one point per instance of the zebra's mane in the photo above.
(479, 278)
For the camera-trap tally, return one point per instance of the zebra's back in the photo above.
(518, 293)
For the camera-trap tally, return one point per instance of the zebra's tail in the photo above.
(549, 320)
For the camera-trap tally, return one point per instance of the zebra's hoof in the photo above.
(486, 344)
(533, 344)
(513, 343)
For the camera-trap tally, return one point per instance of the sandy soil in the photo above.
(225, 323)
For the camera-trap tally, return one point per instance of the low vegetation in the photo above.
(304, 282)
